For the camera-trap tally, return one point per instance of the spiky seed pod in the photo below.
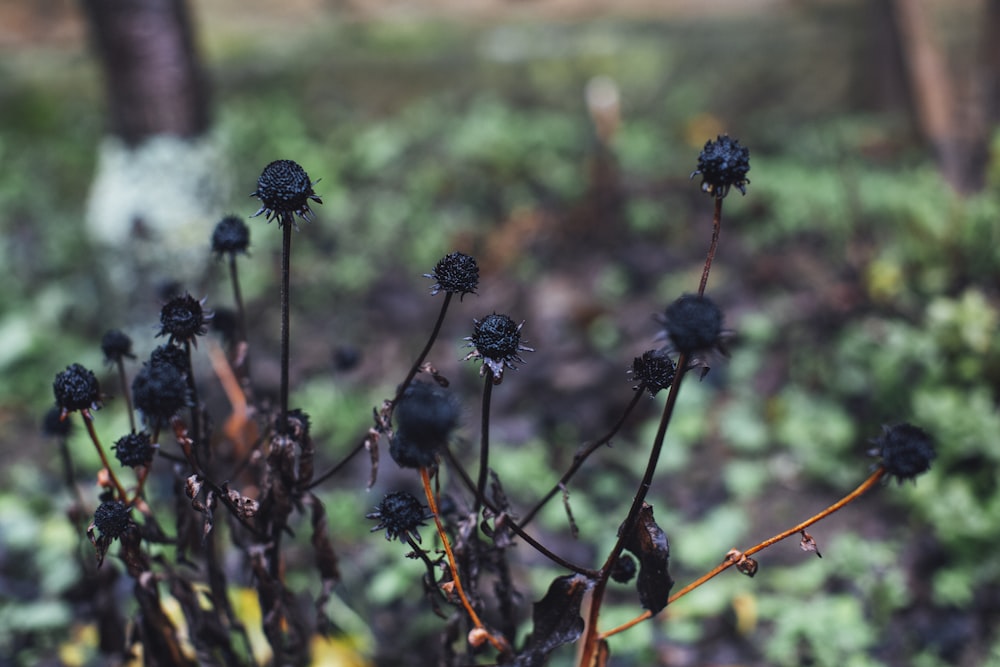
(170, 354)
(112, 519)
(654, 370)
(183, 318)
(116, 346)
(230, 236)
(455, 273)
(159, 391)
(904, 450)
(426, 415)
(693, 325)
(496, 340)
(284, 188)
(76, 388)
(134, 449)
(400, 514)
(723, 164)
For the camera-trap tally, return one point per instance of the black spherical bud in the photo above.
(456, 273)
(722, 164)
(624, 569)
(905, 451)
(654, 371)
(159, 391)
(426, 415)
(76, 388)
(284, 189)
(170, 354)
(182, 318)
(693, 324)
(400, 514)
(496, 340)
(134, 449)
(112, 519)
(230, 236)
(116, 346)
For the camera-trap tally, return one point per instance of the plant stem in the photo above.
(581, 456)
(716, 229)
(241, 359)
(125, 390)
(415, 368)
(484, 439)
(88, 421)
(286, 223)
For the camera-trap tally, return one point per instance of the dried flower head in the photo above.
(134, 449)
(400, 514)
(112, 519)
(904, 450)
(654, 371)
(426, 415)
(284, 189)
(230, 236)
(455, 273)
(182, 318)
(116, 346)
(170, 354)
(496, 339)
(159, 391)
(76, 388)
(722, 164)
(693, 325)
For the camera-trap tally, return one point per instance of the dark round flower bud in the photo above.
(400, 514)
(284, 188)
(624, 569)
(722, 164)
(116, 345)
(112, 519)
(134, 449)
(182, 318)
(298, 423)
(426, 415)
(693, 324)
(170, 354)
(455, 274)
(54, 426)
(654, 370)
(230, 236)
(905, 451)
(159, 391)
(76, 388)
(496, 340)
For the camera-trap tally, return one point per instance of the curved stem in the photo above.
(125, 390)
(286, 223)
(581, 456)
(716, 229)
(415, 368)
(88, 420)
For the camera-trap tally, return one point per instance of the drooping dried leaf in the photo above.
(556, 619)
(650, 546)
(326, 559)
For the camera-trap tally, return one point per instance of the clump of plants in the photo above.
(233, 491)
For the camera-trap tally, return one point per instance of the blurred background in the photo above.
(553, 140)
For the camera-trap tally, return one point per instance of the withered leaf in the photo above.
(556, 619)
(649, 544)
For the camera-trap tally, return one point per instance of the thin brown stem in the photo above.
(286, 223)
(88, 421)
(716, 230)
(484, 439)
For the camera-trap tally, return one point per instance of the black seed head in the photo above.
(693, 324)
(722, 164)
(159, 391)
(654, 370)
(624, 569)
(76, 388)
(400, 514)
(230, 236)
(134, 449)
(116, 345)
(170, 354)
(455, 274)
(425, 415)
(112, 519)
(182, 318)
(905, 451)
(496, 340)
(284, 188)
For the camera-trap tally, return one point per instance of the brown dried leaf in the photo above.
(650, 545)
(556, 619)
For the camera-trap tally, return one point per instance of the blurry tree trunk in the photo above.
(952, 115)
(154, 80)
